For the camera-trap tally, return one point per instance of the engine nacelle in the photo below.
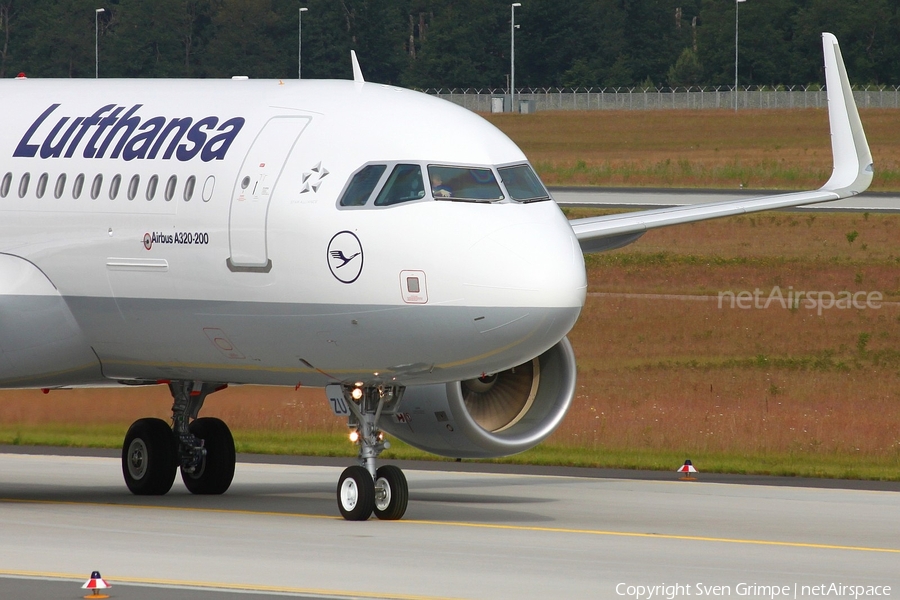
(493, 416)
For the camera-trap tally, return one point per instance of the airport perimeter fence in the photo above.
(762, 97)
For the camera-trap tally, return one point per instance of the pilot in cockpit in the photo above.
(438, 189)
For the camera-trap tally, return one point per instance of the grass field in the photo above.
(758, 149)
(664, 372)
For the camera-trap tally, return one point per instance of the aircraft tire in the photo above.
(149, 457)
(217, 471)
(391, 493)
(356, 494)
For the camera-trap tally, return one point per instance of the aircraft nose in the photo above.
(530, 264)
(528, 283)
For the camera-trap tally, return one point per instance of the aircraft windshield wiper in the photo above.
(473, 200)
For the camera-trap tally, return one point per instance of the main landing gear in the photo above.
(202, 447)
(363, 489)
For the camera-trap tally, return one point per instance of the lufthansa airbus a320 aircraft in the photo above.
(395, 249)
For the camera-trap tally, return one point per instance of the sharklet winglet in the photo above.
(853, 165)
(852, 174)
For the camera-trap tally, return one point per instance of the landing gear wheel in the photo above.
(356, 494)
(391, 493)
(149, 457)
(216, 472)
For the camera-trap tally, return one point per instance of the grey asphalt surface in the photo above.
(514, 534)
(501, 468)
(54, 589)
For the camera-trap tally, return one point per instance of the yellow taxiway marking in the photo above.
(529, 528)
(659, 536)
(243, 587)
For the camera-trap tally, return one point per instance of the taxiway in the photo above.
(466, 535)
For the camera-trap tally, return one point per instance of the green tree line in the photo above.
(454, 43)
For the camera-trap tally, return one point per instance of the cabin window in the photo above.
(133, 187)
(523, 184)
(151, 186)
(189, 188)
(78, 186)
(403, 185)
(60, 186)
(208, 186)
(5, 185)
(464, 183)
(95, 187)
(114, 186)
(42, 185)
(362, 185)
(170, 187)
(23, 184)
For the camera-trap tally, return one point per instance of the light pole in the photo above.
(512, 56)
(736, 4)
(97, 42)
(303, 9)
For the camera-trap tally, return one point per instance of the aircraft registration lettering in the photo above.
(138, 138)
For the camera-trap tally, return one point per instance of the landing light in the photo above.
(354, 436)
(357, 393)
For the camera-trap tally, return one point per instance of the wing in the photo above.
(852, 174)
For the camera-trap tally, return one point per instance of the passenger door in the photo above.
(256, 185)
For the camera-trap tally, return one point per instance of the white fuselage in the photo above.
(208, 241)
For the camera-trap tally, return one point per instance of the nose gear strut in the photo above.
(365, 488)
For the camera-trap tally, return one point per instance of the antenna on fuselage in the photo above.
(357, 72)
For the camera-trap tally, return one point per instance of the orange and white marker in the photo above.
(95, 584)
(687, 468)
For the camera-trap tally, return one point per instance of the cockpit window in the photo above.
(404, 185)
(523, 184)
(362, 185)
(464, 183)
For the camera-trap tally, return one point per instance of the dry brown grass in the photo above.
(667, 373)
(242, 407)
(709, 148)
(701, 412)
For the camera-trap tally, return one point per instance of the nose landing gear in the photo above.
(363, 489)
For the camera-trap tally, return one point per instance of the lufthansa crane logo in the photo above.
(345, 257)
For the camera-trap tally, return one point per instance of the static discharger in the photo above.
(95, 584)
(687, 468)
